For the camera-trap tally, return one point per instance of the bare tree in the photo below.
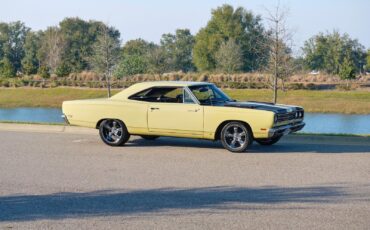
(106, 54)
(52, 48)
(229, 57)
(279, 45)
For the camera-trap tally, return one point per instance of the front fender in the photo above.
(259, 121)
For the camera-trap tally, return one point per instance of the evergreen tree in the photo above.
(134, 58)
(347, 69)
(6, 68)
(227, 23)
(30, 61)
(12, 40)
(178, 48)
(328, 52)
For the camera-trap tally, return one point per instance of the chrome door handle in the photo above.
(193, 110)
(154, 108)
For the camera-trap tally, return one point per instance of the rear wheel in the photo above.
(113, 132)
(149, 137)
(236, 137)
(268, 141)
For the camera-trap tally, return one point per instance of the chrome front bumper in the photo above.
(286, 129)
(65, 119)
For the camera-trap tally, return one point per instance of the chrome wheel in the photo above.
(235, 137)
(113, 132)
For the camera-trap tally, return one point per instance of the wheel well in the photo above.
(101, 120)
(219, 128)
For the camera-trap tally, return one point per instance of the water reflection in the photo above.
(47, 115)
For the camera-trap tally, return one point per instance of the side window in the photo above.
(203, 92)
(187, 98)
(160, 94)
(173, 96)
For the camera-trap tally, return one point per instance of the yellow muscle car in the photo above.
(184, 109)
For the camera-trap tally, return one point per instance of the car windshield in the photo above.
(209, 94)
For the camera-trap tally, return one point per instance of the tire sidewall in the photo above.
(125, 135)
(248, 137)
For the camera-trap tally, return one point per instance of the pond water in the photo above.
(42, 115)
(315, 122)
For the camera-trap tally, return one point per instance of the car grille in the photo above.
(289, 116)
(285, 117)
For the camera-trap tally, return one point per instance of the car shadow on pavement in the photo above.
(286, 145)
(176, 142)
(123, 202)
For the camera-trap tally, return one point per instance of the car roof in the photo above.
(124, 94)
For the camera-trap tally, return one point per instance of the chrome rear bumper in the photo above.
(286, 129)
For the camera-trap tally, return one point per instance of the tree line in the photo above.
(233, 40)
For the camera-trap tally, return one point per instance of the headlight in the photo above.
(275, 118)
(297, 114)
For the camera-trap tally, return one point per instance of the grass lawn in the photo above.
(349, 102)
(49, 97)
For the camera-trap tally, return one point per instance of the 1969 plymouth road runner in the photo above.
(184, 109)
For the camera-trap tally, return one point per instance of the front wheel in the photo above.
(268, 141)
(236, 137)
(113, 132)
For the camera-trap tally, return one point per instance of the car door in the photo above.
(177, 119)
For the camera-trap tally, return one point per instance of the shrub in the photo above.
(312, 86)
(4, 82)
(6, 68)
(296, 86)
(54, 84)
(63, 70)
(15, 83)
(44, 72)
(345, 87)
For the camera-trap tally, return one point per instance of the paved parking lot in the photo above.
(72, 180)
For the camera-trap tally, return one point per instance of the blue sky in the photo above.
(150, 19)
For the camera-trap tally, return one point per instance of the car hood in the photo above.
(277, 108)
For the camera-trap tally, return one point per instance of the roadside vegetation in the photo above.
(234, 49)
(234, 40)
(333, 101)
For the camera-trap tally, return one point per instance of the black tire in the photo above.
(268, 141)
(236, 137)
(149, 137)
(113, 132)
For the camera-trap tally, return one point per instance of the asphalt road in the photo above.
(57, 180)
